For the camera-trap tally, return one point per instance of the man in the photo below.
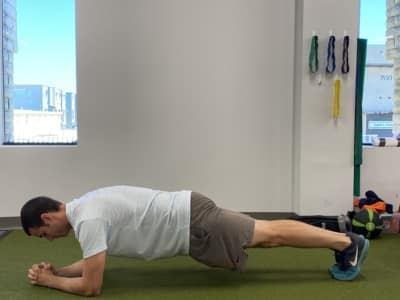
(150, 224)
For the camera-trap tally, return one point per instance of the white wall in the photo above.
(199, 95)
(323, 164)
(380, 172)
(178, 94)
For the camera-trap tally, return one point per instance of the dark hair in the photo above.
(34, 208)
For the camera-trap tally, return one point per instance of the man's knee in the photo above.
(265, 235)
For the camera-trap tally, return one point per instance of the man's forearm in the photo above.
(75, 285)
(88, 284)
(73, 270)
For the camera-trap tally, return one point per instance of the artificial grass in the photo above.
(279, 273)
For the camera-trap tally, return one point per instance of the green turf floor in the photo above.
(280, 273)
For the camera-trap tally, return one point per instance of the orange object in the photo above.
(379, 207)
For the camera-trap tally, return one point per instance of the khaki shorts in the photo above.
(218, 236)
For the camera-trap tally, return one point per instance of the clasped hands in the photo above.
(39, 274)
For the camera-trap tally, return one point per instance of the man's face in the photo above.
(51, 230)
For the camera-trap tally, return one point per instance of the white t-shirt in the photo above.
(131, 221)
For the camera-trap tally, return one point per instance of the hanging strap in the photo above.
(331, 60)
(345, 55)
(313, 63)
(336, 100)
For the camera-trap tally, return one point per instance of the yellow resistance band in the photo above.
(336, 100)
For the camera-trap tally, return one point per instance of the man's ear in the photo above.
(46, 218)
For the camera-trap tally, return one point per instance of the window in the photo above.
(39, 72)
(378, 86)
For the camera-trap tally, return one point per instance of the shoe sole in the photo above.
(364, 253)
(352, 272)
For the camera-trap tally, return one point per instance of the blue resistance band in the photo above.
(331, 60)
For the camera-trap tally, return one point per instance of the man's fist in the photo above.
(46, 266)
(37, 270)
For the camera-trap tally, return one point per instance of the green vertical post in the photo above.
(360, 74)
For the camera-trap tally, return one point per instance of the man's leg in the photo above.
(350, 249)
(296, 234)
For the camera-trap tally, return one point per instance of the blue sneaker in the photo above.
(349, 261)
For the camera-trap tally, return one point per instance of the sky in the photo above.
(46, 52)
(373, 21)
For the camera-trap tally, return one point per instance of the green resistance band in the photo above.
(313, 63)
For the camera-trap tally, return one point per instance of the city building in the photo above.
(71, 118)
(378, 95)
(9, 48)
(31, 97)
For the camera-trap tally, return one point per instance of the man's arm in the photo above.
(73, 270)
(89, 284)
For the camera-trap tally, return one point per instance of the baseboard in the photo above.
(7, 223)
